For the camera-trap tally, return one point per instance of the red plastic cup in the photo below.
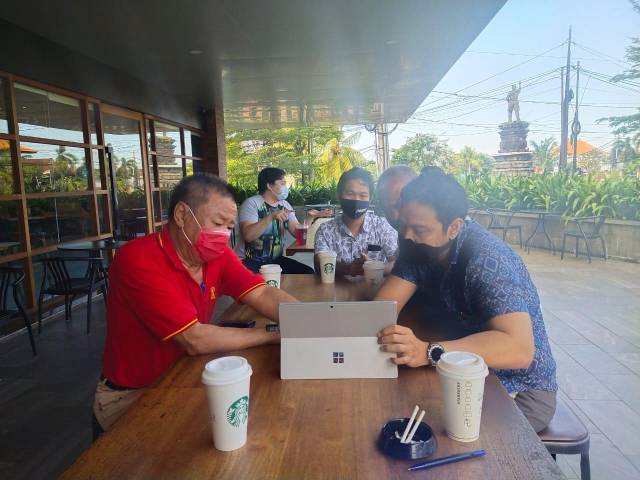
(301, 234)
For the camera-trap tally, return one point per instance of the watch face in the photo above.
(436, 353)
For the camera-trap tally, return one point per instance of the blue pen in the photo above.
(446, 460)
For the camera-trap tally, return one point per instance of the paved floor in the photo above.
(592, 314)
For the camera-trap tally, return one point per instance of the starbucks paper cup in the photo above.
(327, 263)
(271, 274)
(462, 376)
(374, 272)
(227, 382)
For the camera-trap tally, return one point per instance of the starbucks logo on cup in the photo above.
(328, 268)
(272, 283)
(238, 412)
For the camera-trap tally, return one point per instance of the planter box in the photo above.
(622, 237)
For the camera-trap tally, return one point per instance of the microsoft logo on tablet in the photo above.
(338, 357)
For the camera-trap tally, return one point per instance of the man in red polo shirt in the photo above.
(163, 290)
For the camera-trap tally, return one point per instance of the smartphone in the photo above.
(241, 324)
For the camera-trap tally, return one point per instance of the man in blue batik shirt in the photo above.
(477, 281)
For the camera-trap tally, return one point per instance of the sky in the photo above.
(520, 31)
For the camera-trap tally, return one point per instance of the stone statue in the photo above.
(512, 99)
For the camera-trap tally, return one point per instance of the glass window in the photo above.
(157, 209)
(148, 128)
(165, 197)
(103, 214)
(123, 135)
(167, 139)
(97, 171)
(53, 168)
(152, 172)
(93, 131)
(4, 125)
(192, 144)
(56, 220)
(169, 171)
(9, 228)
(6, 168)
(48, 115)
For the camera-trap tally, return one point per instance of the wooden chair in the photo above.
(11, 280)
(56, 281)
(567, 435)
(587, 229)
(496, 224)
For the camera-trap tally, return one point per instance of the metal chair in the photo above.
(56, 281)
(587, 229)
(12, 279)
(496, 224)
(567, 435)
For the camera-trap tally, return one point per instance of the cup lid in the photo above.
(328, 253)
(462, 364)
(270, 268)
(226, 370)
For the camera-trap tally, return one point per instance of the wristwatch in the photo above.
(434, 352)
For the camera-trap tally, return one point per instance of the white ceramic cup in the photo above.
(462, 376)
(327, 263)
(227, 382)
(374, 272)
(271, 274)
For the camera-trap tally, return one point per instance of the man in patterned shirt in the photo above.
(478, 285)
(351, 234)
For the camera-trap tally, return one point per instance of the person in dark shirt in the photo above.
(476, 280)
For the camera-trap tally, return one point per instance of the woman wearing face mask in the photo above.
(264, 219)
(350, 234)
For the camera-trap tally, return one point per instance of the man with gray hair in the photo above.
(390, 184)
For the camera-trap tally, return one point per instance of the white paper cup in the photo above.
(462, 376)
(374, 272)
(227, 382)
(327, 263)
(271, 274)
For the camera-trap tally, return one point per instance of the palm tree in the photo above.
(65, 162)
(543, 153)
(338, 156)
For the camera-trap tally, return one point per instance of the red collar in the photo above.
(166, 244)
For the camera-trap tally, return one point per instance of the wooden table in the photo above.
(306, 428)
(295, 248)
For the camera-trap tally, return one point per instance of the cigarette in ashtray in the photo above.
(411, 428)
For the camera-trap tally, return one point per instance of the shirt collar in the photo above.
(366, 225)
(464, 232)
(166, 244)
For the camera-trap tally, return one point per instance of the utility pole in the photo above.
(575, 127)
(382, 147)
(564, 122)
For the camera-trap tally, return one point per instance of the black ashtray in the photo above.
(424, 443)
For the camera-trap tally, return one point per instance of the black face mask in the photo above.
(420, 253)
(354, 208)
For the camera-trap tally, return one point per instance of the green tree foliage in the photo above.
(629, 125)
(470, 161)
(421, 151)
(544, 155)
(293, 149)
(339, 156)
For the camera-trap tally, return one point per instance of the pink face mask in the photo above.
(210, 242)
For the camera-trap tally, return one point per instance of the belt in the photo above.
(112, 385)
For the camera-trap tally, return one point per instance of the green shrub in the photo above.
(614, 196)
